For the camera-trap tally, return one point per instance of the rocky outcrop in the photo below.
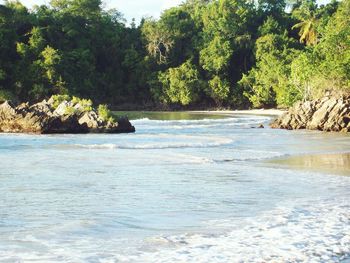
(67, 117)
(326, 114)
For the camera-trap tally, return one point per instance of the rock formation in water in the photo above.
(67, 117)
(326, 114)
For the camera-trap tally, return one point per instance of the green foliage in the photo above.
(258, 94)
(270, 26)
(219, 89)
(334, 50)
(104, 113)
(232, 53)
(285, 72)
(70, 110)
(272, 6)
(159, 40)
(181, 84)
(269, 83)
(58, 99)
(302, 74)
(50, 59)
(86, 104)
(215, 57)
(306, 12)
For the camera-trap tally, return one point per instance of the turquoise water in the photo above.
(199, 190)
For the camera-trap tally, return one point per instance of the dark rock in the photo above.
(65, 124)
(123, 125)
(43, 118)
(261, 126)
(326, 114)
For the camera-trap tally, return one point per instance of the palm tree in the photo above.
(308, 24)
(307, 32)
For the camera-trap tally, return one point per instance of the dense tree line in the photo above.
(230, 53)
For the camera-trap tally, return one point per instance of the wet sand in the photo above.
(337, 163)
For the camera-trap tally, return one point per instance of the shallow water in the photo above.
(336, 163)
(199, 190)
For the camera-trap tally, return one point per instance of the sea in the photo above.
(184, 188)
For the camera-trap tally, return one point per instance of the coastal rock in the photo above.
(122, 125)
(326, 114)
(62, 108)
(43, 118)
(7, 110)
(91, 119)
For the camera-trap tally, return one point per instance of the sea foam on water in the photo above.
(176, 191)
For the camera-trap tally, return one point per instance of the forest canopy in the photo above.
(202, 53)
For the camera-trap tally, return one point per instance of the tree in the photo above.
(230, 53)
(219, 89)
(159, 40)
(84, 8)
(50, 63)
(181, 84)
(15, 24)
(303, 74)
(226, 45)
(268, 84)
(333, 51)
(308, 25)
(216, 56)
(270, 7)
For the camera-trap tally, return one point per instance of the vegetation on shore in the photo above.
(226, 53)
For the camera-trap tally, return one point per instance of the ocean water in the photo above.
(181, 190)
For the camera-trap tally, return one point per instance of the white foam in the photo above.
(164, 141)
(315, 233)
(251, 155)
(97, 146)
(154, 146)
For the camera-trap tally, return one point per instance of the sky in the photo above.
(132, 8)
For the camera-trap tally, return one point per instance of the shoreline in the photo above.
(261, 112)
(197, 114)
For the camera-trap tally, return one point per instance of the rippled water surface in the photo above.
(179, 190)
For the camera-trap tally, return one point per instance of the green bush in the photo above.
(181, 84)
(104, 113)
(85, 103)
(70, 110)
(58, 99)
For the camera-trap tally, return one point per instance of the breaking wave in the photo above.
(312, 233)
(161, 145)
